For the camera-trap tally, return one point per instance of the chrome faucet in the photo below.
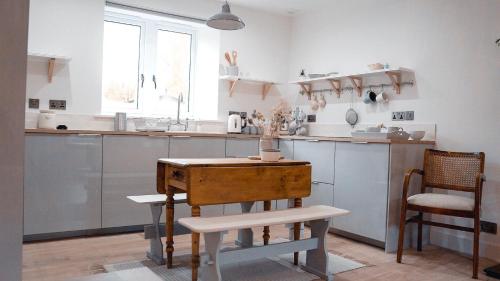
(178, 122)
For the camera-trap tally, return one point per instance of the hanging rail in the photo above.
(349, 88)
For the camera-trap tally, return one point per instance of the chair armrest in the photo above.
(407, 179)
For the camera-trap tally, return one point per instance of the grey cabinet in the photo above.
(237, 148)
(197, 147)
(321, 154)
(321, 194)
(129, 168)
(361, 186)
(62, 183)
(286, 148)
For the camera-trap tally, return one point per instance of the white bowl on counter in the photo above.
(417, 135)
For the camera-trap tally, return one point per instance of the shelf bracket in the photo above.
(232, 85)
(395, 80)
(307, 88)
(357, 84)
(50, 71)
(336, 86)
(265, 89)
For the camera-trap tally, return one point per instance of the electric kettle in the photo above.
(234, 124)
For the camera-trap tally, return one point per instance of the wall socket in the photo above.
(403, 115)
(33, 103)
(57, 104)
(488, 227)
(311, 118)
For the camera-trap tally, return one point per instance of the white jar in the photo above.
(47, 119)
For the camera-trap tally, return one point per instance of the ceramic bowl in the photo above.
(417, 135)
(373, 129)
(270, 155)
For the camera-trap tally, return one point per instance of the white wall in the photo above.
(13, 30)
(74, 28)
(450, 46)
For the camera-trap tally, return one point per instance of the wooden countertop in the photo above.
(221, 135)
(229, 162)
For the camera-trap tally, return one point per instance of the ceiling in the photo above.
(284, 7)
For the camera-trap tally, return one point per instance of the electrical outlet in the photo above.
(409, 115)
(488, 227)
(57, 104)
(311, 118)
(34, 103)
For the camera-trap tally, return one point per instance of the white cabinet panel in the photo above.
(62, 183)
(321, 154)
(361, 186)
(238, 148)
(129, 168)
(197, 147)
(286, 148)
(321, 194)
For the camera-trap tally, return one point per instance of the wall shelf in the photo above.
(355, 80)
(233, 80)
(51, 60)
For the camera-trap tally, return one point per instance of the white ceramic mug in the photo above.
(382, 98)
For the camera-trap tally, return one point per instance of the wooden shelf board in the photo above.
(44, 56)
(347, 75)
(233, 80)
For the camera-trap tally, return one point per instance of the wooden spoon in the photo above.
(235, 55)
(228, 58)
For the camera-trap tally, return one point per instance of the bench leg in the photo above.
(245, 236)
(169, 225)
(317, 259)
(155, 246)
(210, 269)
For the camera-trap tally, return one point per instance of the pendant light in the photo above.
(225, 20)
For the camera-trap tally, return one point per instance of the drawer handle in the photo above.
(89, 135)
(312, 140)
(181, 137)
(315, 182)
(359, 142)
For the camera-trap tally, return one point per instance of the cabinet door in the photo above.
(241, 148)
(286, 148)
(361, 186)
(197, 147)
(321, 154)
(62, 183)
(321, 194)
(129, 168)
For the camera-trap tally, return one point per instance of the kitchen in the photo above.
(358, 91)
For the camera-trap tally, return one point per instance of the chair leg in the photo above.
(419, 242)
(402, 223)
(475, 255)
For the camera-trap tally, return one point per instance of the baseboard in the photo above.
(463, 244)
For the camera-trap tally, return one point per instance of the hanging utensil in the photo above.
(351, 116)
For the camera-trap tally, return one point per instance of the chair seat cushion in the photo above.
(443, 201)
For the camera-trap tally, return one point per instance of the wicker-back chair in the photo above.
(457, 171)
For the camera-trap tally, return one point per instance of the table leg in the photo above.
(195, 246)
(266, 236)
(245, 236)
(169, 225)
(296, 230)
(155, 246)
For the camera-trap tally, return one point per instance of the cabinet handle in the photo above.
(315, 182)
(359, 142)
(312, 140)
(89, 135)
(181, 137)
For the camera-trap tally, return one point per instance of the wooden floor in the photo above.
(60, 260)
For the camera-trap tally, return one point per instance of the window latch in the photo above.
(154, 80)
(142, 80)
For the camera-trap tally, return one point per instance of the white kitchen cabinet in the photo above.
(241, 148)
(197, 147)
(62, 183)
(321, 194)
(129, 168)
(361, 186)
(286, 148)
(321, 154)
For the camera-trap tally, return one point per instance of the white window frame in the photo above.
(147, 61)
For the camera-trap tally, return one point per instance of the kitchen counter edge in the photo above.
(221, 135)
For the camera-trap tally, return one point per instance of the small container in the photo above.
(47, 119)
(120, 121)
(270, 155)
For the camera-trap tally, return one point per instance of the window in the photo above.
(147, 65)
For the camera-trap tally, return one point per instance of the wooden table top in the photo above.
(228, 162)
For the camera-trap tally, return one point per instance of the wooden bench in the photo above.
(155, 231)
(214, 228)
